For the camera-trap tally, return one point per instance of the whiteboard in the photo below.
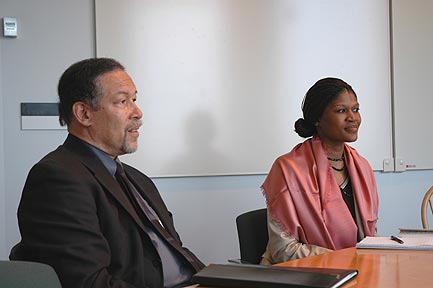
(413, 76)
(221, 82)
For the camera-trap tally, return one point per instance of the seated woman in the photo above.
(322, 195)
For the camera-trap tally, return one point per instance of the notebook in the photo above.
(409, 243)
(259, 276)
(413, 232)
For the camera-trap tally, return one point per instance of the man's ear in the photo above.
(82, 113)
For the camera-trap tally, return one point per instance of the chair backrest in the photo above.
(253, 235)
(23, 274)
(425, 203)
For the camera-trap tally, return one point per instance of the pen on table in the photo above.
(396, 239)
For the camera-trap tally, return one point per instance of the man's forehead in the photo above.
(117, 78)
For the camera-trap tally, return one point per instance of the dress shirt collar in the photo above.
(106, 160)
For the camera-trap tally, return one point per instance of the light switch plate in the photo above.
(10, 28)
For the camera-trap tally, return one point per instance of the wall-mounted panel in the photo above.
(413, 76)
(221, 82)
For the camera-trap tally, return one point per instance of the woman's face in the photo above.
(340, 120)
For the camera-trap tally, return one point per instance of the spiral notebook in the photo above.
(259, 276)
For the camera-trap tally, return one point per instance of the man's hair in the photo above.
(78, 83)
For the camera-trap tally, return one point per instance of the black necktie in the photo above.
(127, 186)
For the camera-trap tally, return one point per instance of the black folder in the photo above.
(260, 276)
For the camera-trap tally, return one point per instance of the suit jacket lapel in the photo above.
(92, 162)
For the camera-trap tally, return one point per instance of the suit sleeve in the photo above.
(58, 218)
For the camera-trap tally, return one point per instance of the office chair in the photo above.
(252, 229)
(426, 202)
(23, 274)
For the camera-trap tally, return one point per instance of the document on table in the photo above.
(409, 243)
(413, 232)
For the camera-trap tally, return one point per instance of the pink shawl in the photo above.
(303, 196)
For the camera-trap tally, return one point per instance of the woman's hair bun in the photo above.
(304, 128)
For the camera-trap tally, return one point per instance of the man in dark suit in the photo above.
(78, 213)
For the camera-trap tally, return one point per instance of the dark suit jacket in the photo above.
(74, 216)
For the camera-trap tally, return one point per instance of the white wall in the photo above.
(52, 34)
(56, 33)
(2, 174)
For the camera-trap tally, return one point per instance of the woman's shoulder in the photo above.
(353, 151)
(297, 153)
(356, 155)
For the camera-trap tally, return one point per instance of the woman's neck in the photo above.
(334, 151)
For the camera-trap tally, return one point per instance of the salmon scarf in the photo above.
(304, 198)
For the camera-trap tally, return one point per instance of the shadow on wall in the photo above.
(199, 146)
